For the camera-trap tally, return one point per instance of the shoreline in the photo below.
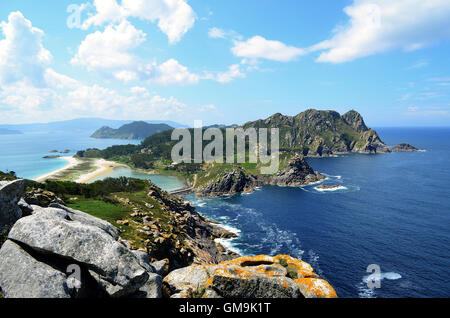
(71, 163)
(104, 167)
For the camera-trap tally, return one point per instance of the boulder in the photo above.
(152, 287)
(261, 276)
(161, 267)
(83, 239)
(10, 194)
(22, 276)
(42, 198)
(404, 148)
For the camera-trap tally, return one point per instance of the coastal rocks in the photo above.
(42, 198)
(231, 182)
(59, 232)
(370, 143)
(297, 173)
(249, 277)
(10, 194)
(404, 147)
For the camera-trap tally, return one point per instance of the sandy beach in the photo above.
(103, 167)
(71, 163)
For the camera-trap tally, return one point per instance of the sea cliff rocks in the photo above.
(297, 173)
(249, 277)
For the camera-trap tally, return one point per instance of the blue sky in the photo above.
(225, 61)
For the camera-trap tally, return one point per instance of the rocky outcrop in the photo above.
(41, 197)
(234, 181)
(249, 277)
(404, 147)
(297, 173)
(45, 244)
(10, 194)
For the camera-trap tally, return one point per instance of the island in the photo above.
(404, 147)
(134, 130)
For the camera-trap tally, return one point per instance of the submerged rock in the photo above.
(249, 277)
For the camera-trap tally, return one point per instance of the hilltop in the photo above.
(134, 130)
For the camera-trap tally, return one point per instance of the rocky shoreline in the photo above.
(297, 173)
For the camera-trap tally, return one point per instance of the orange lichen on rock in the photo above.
(315, 288)
(293, 275)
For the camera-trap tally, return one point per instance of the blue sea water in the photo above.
(394, 212)
(167, 183)
(24, 153)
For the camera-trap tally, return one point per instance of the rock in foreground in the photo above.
(249, 277)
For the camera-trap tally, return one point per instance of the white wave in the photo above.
(331, 190)
(364, 291)
(422, 150)
(227, 243)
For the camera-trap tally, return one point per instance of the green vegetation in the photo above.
(135, 130)
(292, 272)
(10, 176)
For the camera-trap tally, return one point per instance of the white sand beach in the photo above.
(104, 167)
(71, 162)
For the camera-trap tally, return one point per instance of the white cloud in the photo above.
(216, 33)
(108, 53)
(22, 55)
(172, 72)
(175, 17)
(259, 47)
(234, 71)
(109, 49)
(381, 25)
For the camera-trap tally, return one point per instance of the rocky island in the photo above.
(404, 148)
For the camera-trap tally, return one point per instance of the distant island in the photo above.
(4, 131)
(134, 130)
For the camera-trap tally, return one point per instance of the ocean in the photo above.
(392, 210)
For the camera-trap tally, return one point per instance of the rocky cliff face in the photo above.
(324, 133)
(10, 194)
(297, 173)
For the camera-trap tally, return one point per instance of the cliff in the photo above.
(135, 130)
(323, 133)
(237, 179)
(60, 252)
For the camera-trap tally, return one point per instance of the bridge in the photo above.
(182, 191)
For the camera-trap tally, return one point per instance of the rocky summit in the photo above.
(324, 133)
(53, 251)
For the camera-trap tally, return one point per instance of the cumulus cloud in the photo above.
(381, 25)
(109, 53)
(109, 49)
(259, 47)
(30, 90)
(22, 55)
(175, 17)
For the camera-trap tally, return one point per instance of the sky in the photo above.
(225, 62)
